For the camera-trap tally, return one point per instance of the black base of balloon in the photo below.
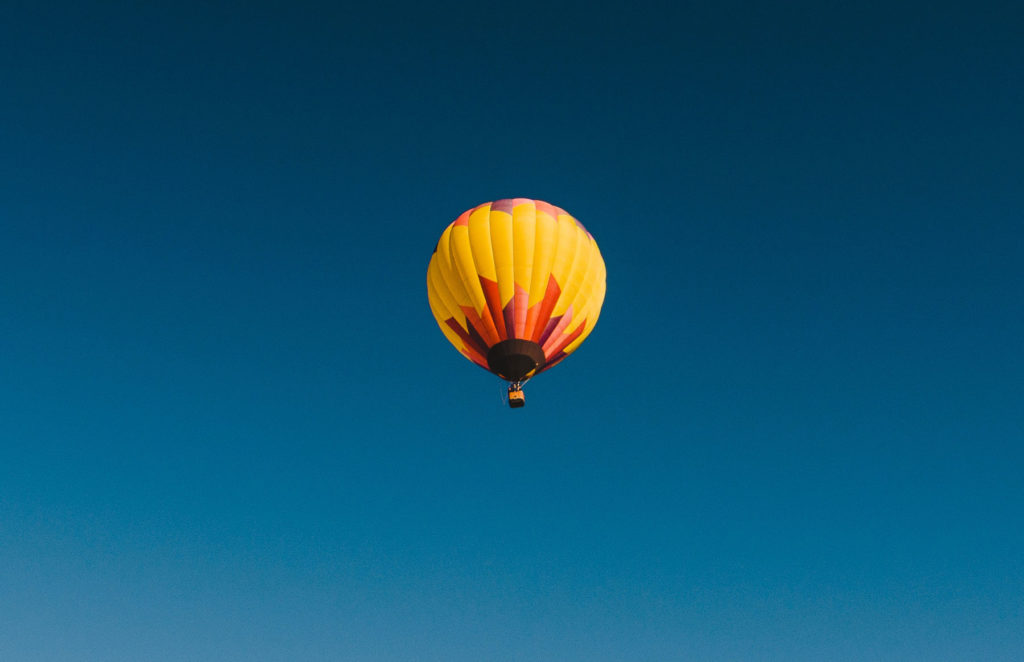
(514, 359)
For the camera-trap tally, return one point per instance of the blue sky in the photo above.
(230, 429)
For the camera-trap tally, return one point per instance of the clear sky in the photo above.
(230, 428)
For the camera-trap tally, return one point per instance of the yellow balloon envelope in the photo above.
(516, 285)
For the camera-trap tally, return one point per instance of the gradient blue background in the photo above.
(230, 429)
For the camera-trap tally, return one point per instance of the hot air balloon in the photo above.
(516, 285)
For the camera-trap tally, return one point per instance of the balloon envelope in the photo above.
(516, 285)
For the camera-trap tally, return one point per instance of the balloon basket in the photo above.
(516, 398)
